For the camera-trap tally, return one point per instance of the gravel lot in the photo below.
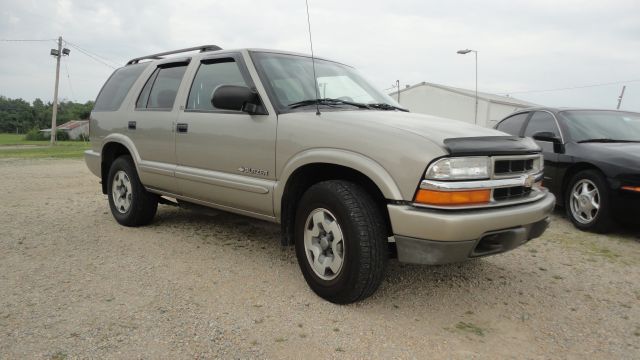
(73, 283)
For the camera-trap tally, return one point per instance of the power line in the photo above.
(26, 40)
(69, 78)
(95, 57)
(571, 87)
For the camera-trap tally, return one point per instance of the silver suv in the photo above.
(351, 176)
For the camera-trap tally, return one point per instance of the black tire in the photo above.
(365, 240)
(143, 205)
(602, 221)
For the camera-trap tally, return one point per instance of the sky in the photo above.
(523, 46)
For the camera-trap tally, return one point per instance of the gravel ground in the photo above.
(73, 283)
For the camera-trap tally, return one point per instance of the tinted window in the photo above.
(210, 75)
(116, 88)
(539, 122)
(512, 125)
(162, 87)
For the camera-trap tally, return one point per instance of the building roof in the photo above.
(69, 125)
(507, 100)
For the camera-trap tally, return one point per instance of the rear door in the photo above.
(151, 125)
(225, 158)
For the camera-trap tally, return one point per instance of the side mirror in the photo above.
(547, 136)
(237, 98)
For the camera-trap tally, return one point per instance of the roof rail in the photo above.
(201, 48)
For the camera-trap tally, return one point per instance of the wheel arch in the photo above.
(568, 175)
(309, 169)
(112, 148)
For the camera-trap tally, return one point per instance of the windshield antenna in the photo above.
(313, 62)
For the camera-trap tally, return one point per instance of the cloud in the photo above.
(523, 45)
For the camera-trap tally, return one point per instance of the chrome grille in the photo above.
(512, 166)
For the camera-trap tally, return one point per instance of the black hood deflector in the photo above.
(491, 145)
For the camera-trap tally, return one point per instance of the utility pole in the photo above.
(398, 85)
(58, 55)
(620, 97)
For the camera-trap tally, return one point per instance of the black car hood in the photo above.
(621, 154)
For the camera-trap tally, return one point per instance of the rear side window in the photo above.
(162, 87)
(513, 125)
(210, 75)
(117, 87)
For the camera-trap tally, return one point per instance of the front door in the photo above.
(543, 121)
(225, 158)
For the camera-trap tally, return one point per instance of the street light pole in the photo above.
(475, 52)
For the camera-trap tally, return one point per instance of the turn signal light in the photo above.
(467, 197)
(631, 188)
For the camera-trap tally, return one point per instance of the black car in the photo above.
(591, 158)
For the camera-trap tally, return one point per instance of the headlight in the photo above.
(460, 168)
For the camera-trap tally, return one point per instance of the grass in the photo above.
(470, 328)
(62, 150)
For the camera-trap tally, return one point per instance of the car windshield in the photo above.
(290, 79)
(602, 126)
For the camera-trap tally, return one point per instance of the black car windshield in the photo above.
(602, 125)
(290, 79)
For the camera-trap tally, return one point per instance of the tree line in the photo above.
(20, 116)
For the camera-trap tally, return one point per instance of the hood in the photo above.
(434, 128)
(621, 154)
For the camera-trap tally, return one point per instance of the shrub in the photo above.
(34, 135)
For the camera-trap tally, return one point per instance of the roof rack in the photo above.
(201, 48)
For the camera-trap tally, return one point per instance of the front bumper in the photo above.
(428, 236)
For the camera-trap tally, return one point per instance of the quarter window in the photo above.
(162, 87)
(117, 87)
(541, 121)
(513, 125)
(211, 75)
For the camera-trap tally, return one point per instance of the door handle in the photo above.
(132, 125)
(182, 127)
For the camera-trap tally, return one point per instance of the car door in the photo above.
(544, 121)
(225, 158)
(151, 125)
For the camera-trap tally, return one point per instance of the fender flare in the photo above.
(365, 165)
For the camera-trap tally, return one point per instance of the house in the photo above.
(75, 128)
(459, 104)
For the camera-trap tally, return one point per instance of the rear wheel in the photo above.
(341, 241)
(130, 203)
(587, 202)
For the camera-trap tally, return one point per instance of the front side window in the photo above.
(162, 87)
(117, 87)
(513, 124)
(593, 125)
(291, 80)
(211, 74)
(541, 121)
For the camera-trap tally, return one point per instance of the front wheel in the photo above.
(130, 203)
(587, 202)
(341, 241)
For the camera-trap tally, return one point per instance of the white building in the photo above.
(455, 103)
(76, 129)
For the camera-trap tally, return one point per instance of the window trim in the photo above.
(153, 77)
(244, 71)
(524, 128)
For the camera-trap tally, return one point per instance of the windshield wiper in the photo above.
(606, 140)
(327, 101)
(385, 106)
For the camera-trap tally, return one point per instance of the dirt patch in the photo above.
(75, 284)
